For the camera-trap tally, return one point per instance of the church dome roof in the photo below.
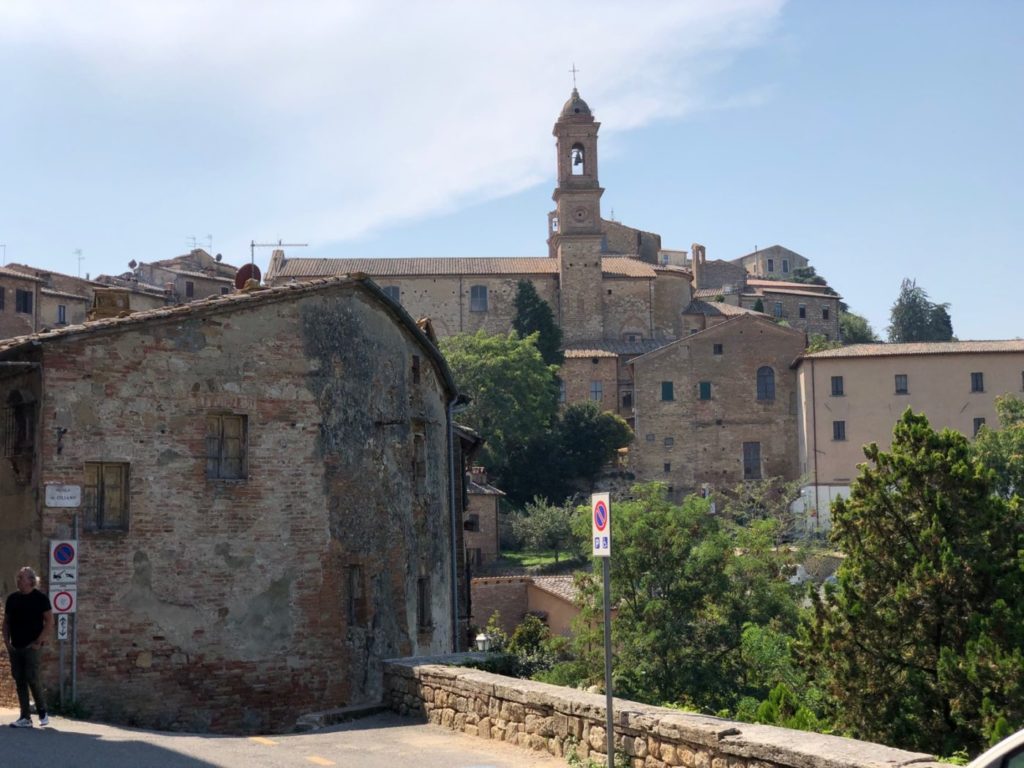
(575, 106)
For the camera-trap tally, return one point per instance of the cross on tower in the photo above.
(574, 71)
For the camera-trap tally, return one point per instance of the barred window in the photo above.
(225, 447)
(19, 425)
(105, 496)
(765, 383)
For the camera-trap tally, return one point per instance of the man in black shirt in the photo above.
(27, 621)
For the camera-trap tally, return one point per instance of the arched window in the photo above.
(765, 383)
(577, 160)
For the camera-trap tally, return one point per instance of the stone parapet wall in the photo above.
(558, 720)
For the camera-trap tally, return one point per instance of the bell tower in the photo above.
(574, 227)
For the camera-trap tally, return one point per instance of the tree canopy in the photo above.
(514, 392)
(855, 329)
(920, 644)
(1002, 450)
(915, 318)
(534, 315)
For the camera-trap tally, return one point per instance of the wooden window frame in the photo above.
(105, 496)
(218, 443)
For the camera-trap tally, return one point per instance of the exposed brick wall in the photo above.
(563, 721)
(505, 594)
(231, 605)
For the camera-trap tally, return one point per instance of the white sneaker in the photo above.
(23, 722)
(44, 720)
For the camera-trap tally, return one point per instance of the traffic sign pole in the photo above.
(601, 517)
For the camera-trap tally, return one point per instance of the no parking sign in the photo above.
(601, 516)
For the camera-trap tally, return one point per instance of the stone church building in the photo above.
(616, 294)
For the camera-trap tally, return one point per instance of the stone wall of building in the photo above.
(789, 304)
(13, 321)
(687, 441)
(565, 721)
(582, 373)
(234, 604)
(506, 595)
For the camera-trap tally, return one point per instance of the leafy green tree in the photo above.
(768, 499)
(759, 305)
(919, 644)
(818, 342)
(1002, 450)
(855, 329)
(534, 315)
(684, 594)
(545, 526)
(514, 392)
(915, 318)
(566, 459)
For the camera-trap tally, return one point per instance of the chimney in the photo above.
(698, 265)
(478, 475)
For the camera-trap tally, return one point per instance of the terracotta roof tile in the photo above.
(920, 348)
(22, 275)
(408, 267)
(561, 586)
(717, 309)
(613, 347)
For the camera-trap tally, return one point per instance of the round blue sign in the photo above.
(64, 553)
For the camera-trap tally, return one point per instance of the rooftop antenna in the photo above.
(253, 245)
(209, 240)
(574, 71)
(80, 257)
(193, 240)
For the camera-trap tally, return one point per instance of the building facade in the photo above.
(267, 506)
(854, 395)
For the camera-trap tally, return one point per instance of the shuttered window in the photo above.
(225, 447)
(105, 497)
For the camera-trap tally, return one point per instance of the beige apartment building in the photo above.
(853, 396)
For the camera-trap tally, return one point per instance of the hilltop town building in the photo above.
(270, 500)
(854, 395)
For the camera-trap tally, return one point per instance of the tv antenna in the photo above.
(81, 258)
(253, 245)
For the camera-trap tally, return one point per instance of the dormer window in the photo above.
(578, 160)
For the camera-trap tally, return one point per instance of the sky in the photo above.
(882, 140)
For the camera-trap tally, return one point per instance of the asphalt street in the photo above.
(381, 741)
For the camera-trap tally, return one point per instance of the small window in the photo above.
(423, 621)
(785, 265)
(802, 310)
(478, 298)
(717, 349)
(977, 382)
(225, 446)
(901, 384)
(415, 369)
(824, 313)
(23, 301)
(627, 399)
(105, 496)
(838, 430)
(356, 612)
(751, 461)
(190, 289)
(979, 422)
(667, 466)
(419, 458)
(62, 314)
(704, 390)
(19, 425)
(649, 437)
(669, 442)
(561, 391)
(777, 309)
(667, 391)
(224, 290)
(771, 265)
(393, 292)
(765, 383)
(596, 391)
(837, 386)
(472, 523)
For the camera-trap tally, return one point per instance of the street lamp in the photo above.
(483, 642)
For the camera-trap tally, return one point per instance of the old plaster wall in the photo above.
(234, 605)
(20, 540)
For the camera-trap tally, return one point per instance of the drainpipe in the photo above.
(814, 433)
(458, 404)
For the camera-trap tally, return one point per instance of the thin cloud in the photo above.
(333, 119)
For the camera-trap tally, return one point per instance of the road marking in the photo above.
(263, 740)
(320, 760)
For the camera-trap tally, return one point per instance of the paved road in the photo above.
(382, 741)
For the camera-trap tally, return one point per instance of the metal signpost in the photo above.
(63, 594)
(601, 518)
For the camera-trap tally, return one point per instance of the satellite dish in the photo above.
(133, 264)
(218, 257)
(246, 273)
